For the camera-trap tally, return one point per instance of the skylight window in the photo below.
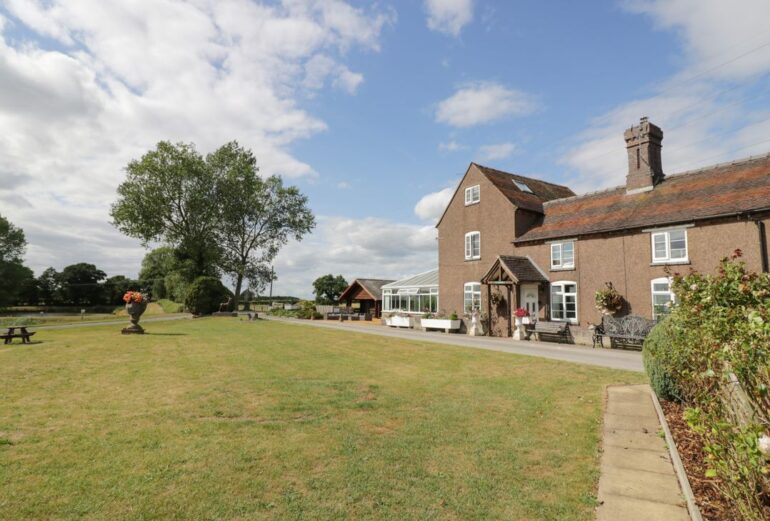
(521, 185)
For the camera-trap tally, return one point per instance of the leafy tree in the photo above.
(157, 264)
(80, 283)
(49, 287)
(28, 291)
(257, 216)
(12, 271)
(115, 287)
(169, 195)
(176, 286)
(328, 288)
(205, 295)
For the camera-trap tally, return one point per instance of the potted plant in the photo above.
(520, 315)
(608, 300)
(441, 321)
(136, 304)
(399, 320)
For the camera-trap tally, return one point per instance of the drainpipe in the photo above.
(762, 245)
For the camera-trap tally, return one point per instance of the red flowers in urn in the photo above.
(521, 313)
(136, 304)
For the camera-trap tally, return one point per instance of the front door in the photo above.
(529, 299)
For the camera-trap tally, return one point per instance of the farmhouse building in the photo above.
(509, 241)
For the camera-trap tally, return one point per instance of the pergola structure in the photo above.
(510, 272)
(368, 293)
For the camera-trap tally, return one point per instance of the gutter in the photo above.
(762, 246)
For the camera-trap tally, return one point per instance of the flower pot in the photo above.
(440, 323)
(134, 310)
(397, 321)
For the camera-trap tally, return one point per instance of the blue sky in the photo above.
(374, 109)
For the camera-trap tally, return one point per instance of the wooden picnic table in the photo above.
(11, 334)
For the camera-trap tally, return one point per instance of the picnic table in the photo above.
(11, 334)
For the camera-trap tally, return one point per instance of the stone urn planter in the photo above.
(136, 304)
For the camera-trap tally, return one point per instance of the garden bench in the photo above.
(630, 330)
(11, 334)
(552, 329)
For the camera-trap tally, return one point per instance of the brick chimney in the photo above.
(645, 169)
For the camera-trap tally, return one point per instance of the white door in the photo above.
(529, 299)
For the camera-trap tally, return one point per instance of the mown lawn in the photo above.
(223, 419)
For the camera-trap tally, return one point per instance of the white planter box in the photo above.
(440, 323)
(396, 321)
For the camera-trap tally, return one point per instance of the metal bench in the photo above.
(560, 330)
(630, 330)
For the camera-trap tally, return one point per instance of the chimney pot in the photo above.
(645, 169)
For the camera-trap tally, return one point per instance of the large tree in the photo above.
(80, 284)
(169, 196)
(328, 288)
(257, 215)
(13, 274)
(49, 287)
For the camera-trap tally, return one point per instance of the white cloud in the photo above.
(451, 146)
(431, 206)
(497, 151)
(95, 83)
(391, 250)
(449, 16)
(483, 102)
(704, 119)
(343, 185)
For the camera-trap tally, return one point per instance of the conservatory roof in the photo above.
(421, 280)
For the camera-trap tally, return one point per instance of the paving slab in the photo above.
(637, 477)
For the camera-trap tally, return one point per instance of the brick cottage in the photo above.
(508, 241)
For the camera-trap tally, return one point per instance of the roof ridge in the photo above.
(685, 173)
(484, 167)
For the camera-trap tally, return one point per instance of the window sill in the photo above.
(473, 260)
(670, 263)
(563, 269)
(471, 204)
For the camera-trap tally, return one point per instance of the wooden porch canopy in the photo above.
(510, 271)
(366, 291)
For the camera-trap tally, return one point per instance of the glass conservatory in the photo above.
(417, 294)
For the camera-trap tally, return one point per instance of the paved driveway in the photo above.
(612, 358)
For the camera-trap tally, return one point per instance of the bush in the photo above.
(658, 356)
(170, 306)
(306, 310)
(204, 295)
(713, 351)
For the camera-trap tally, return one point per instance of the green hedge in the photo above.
(657, 356)
(205, 295)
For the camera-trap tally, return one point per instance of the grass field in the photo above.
(228, 419)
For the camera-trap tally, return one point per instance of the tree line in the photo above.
(213, 216)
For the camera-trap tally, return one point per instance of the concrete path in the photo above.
(637, 480)
(614, 359)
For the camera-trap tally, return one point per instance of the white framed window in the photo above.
(471, 296)
(563, 255)
(669, 246)
(564, 307)
(472, 195)
(472, 245)
(662, 297)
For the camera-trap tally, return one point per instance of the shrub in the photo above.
(204, 295)
(715, 349)
(658, 357)
(306, 310)
(170, 306)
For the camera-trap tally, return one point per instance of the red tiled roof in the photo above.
(725, 189)
(542, 191)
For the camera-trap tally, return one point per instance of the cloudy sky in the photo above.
(374, 109)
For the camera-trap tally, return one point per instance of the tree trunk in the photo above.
(237, 296)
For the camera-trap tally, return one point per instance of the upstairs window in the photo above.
(563, 255)
(472, 246)
(521, 185)
(472, 195)
(662, 297)
(669, 246)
